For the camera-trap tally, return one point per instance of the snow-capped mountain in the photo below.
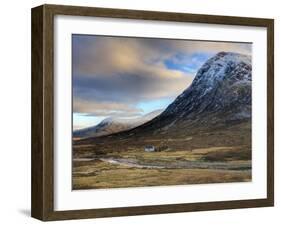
(220, 95)
(113, 125)
(222, 85)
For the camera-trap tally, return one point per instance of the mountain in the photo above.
(220, 95)
(222, 85)
(214, 111)
(113, 125)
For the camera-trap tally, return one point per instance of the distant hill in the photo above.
(114, 125)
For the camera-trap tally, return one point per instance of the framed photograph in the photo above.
(141, 112)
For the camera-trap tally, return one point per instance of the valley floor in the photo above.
(138, 169)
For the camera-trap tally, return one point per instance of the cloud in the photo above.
(94, 108)
(212, 47)
(112, 75)
(96, 55)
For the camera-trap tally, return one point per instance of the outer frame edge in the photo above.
(42, 187)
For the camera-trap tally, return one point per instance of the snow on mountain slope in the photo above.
(223, 82)
(219, 95)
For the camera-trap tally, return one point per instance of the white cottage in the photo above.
(149, 148)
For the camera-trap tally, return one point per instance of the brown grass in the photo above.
(104, 175)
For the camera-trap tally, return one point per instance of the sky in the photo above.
(130, 77)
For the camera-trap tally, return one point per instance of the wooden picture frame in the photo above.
(42, 204)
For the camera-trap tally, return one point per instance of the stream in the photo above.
(238, 166)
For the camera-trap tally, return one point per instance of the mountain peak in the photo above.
(219, 93)
(220, 67)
